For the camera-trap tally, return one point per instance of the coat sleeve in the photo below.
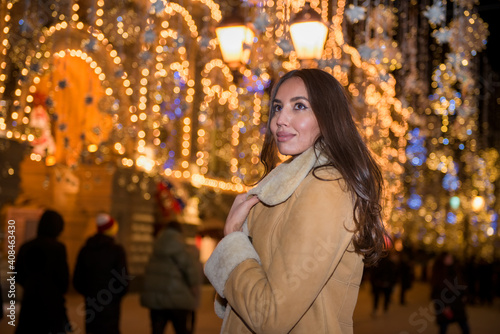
(313, 239)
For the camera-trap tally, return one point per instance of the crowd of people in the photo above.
(171, 284)
(171, 289)
(454, 284)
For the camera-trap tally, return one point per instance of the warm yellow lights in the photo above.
(191, 123)
(478, 203)
(50, 160)
(92, 148)
(308, 33)
(233, 35)
(308, 39)
(145, 163)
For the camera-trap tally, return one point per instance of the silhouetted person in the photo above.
(406, 275)
(448, 293)
(172, 282)
(101, 276)
(485, 282)
(383, 278)
(42, 271)
(472, 279)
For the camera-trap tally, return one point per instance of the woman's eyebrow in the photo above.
(293, 99)
(296, 98)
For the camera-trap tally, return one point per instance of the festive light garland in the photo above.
(178, 111)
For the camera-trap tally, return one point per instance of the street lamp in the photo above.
(233, 34)
(308, 33)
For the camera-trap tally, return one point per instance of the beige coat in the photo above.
(297, 273)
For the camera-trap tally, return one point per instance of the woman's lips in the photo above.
(282, 137)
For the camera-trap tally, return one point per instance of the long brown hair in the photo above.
(341, 142)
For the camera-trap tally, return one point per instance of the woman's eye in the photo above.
(276, 108)
(300, 106)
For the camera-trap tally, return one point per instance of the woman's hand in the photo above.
(239, 212)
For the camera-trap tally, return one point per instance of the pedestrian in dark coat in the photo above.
(383, 277)
(172, 282)
(42, 271)
(406, 275)
(101, 277)
(448, 293)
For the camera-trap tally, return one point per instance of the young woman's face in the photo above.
(293, 123)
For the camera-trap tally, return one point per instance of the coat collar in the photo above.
(282, 181)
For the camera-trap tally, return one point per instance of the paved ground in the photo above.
(408, 319)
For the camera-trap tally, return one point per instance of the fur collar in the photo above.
(282, 181)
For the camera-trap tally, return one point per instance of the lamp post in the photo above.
(233, 34)
(308, 33)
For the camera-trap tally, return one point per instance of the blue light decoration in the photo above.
(169, 164)
(415, 201)
(451, 218)
(25, 27)
(450, 180)
(255, 83)
(416, 151)
(494, 221)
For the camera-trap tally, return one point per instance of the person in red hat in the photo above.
(101, 276)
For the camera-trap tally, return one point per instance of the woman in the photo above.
(292, 257)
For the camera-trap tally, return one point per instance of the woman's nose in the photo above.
(282, 118)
